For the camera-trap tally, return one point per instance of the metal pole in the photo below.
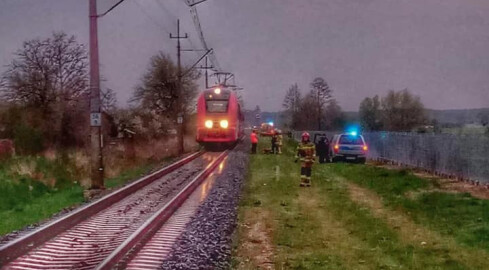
(206, 75)
(180, 107)
(181, 148)
(96, 158)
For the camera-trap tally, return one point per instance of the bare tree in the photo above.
(307, 114)
(322, 95)
(49, 79)
(47, 71)
(292, 104)
(158, 90)
(292, 99)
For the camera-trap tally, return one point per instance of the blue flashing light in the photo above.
(353, 130)
(270, 123)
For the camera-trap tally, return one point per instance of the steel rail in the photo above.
(151, 226)
(24, 244)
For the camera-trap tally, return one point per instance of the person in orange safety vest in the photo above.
(254, 141)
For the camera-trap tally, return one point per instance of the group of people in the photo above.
(306, 152)
(277, 139)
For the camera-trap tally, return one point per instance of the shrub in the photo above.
(27, 140)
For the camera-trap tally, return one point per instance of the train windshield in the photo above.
(216, 106)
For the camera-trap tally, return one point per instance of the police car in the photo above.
(348, 147)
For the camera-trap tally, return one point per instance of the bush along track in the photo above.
(206, 242)
(355, 217)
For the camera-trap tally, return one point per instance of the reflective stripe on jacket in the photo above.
(306, 152)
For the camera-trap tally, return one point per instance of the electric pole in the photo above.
(96, 140)
(180, 107)
(96, 158)
(206, 67)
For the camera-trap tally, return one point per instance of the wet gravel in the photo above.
(206, 243)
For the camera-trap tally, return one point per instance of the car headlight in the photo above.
(208, 124)
(224, 123)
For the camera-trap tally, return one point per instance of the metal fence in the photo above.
(465, 157)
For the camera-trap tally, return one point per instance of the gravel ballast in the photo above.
(207, 240)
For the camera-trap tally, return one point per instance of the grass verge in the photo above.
(35, 188)
(322, 227)
(453, 214)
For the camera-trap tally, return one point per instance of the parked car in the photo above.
(348, 147)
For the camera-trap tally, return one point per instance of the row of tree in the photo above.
(397, 111)
(45, 97)
(316, 110)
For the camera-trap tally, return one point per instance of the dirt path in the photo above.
(415, 234)
(256, 246)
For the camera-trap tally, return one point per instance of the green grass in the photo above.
(322, 228)
(391, 184)
(459, 215)
(26, 200)
(129, 174)
(39, 208)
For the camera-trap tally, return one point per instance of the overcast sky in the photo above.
(439, 49)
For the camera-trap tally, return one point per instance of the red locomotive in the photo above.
(219, 117)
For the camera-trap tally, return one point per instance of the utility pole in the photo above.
(96, 140)
(206, 67)
(96, 157)
(180, 118)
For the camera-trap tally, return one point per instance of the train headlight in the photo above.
(224, 123)
(217, 91)
(208, 124)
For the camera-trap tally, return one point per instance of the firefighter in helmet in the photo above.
(306, 152)
(280, 139)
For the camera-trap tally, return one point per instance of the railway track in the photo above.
(132, 228)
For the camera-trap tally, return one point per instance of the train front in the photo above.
(218, 117)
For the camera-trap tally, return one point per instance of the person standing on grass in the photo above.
(322, 148)
(254, 141)
(274, 142)
(306, 152)
(279, 141)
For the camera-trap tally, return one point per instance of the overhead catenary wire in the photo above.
(198, 27)
(174, 18)
(212, 56)
(200, 33)
(168, 13)
(151, 17)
